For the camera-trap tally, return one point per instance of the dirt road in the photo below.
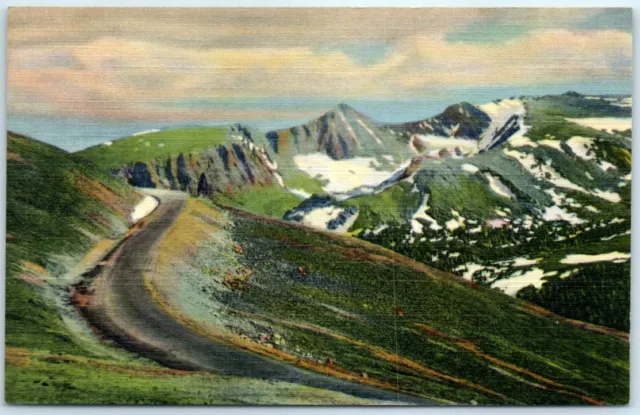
(125, 312)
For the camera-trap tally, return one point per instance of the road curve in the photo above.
(124, 311)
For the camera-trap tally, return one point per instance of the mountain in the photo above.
(528, 197)
(231, 164)
(341, 133)
(463, 120)
(478, 190)
(463, 129)
(198, 160)
(530, 211)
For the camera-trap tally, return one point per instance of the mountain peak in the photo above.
(342, 107)
(572, 93)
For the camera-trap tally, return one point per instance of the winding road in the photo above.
(124, 311)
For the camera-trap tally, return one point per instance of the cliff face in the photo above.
(220, 169)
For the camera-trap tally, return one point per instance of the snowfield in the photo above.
(342, 175)
(500, 112)
(604, 123)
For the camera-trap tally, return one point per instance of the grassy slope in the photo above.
(58, 208)
(150, 146)
(46, 379)
(56, 211)
(272, 201)
(353, 310)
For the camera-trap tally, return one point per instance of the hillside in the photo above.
(339, 306)
(58, 209)
(64, 215)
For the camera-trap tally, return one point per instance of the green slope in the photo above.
(354, 310)
(147, 147)
(57, 209)
(59, 206)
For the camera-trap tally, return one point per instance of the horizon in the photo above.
(273, 68)
(76, 134)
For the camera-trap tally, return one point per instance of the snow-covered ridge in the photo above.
(155, 130)
(502, 113)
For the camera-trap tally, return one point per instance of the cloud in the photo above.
(113, 63)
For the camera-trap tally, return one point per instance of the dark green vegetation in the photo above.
(448, 187)
(596, 293)
(361, 310)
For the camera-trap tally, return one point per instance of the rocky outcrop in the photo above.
(462, 120)
(221, 169)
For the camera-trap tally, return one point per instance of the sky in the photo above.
(78, 76)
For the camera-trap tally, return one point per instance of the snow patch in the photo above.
(471, 269)
(604, 123)
(521, 141)
(144, 208)
(145, 132)
(320, 218)
(498, 187)
(519, 280)
(606, 166)
(556, 213)
(300, 193)
(421, 213)
(585, 259)
(470, 168)
(582, 147)
(433, 144)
